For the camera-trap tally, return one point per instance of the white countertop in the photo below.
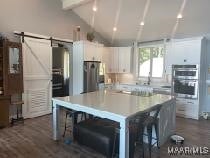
(157, 85)
(117, 103)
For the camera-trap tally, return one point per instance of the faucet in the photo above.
(149, 79)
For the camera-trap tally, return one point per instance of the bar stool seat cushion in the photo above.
(96, 135)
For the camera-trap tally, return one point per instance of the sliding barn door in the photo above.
(37, 68)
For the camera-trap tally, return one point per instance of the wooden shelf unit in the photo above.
(11, 76)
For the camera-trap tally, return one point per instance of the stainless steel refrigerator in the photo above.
(92, 77)
(61, 71)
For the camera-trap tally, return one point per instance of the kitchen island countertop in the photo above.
(117, 103)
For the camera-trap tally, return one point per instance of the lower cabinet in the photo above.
(187, 108)
(110, 87)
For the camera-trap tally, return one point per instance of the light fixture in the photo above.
(95, 8)
(142, 23)
(179, 16)
(114, 29)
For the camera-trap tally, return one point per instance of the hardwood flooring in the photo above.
(34, 140)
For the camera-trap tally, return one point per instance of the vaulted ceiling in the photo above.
(159, 17)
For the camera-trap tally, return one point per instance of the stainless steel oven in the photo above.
(185, 81)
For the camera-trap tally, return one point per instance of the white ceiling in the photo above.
(159, 20)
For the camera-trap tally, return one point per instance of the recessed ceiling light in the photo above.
(179, 16)
(142, 23)
(114, 29)
(95, 8)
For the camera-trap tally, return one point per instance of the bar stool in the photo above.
(150, 122)
(135, 135)
(19, 117)
(74, 115)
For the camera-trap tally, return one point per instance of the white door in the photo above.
(37, 68)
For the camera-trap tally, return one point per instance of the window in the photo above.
(151, 61)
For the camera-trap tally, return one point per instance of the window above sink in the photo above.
(151, 61)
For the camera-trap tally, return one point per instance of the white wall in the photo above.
(44, 17)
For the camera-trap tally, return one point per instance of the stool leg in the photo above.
(82, 115)
(141, 131)
(149, 131)
(85, 116)
(75, 115)
(114, 145)
(143, 149)
(64, 133)
(157, 134)
(17, 113)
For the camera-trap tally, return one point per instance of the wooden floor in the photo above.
(34, 140)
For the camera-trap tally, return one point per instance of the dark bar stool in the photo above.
(69, 113)
(74, 115)
(150, 122)
(135, 135)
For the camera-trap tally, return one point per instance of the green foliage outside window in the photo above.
(145, 53)
(151, 61)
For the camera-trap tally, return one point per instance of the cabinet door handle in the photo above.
(190, 102)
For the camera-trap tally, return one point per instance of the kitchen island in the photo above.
(120, 108)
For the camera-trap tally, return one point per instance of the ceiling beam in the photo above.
(70, 4)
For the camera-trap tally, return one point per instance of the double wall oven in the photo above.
(185, 81)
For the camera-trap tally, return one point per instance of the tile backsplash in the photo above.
(122, 78)
(130, 79)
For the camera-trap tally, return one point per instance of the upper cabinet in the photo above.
(185, 51)
(124, 60)
(11, 68)
(91, 51)
(107, 59)
(117, 59)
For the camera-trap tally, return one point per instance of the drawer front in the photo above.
(186, 101)
(181, 109)
(187, 109)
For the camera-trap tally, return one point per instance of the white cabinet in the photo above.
(106, 53)
(110, 86)
(91, 51)
(124, 60)
(187, 108)
(185, 51)
(110, 58)
(114, 58)
(117, 59)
